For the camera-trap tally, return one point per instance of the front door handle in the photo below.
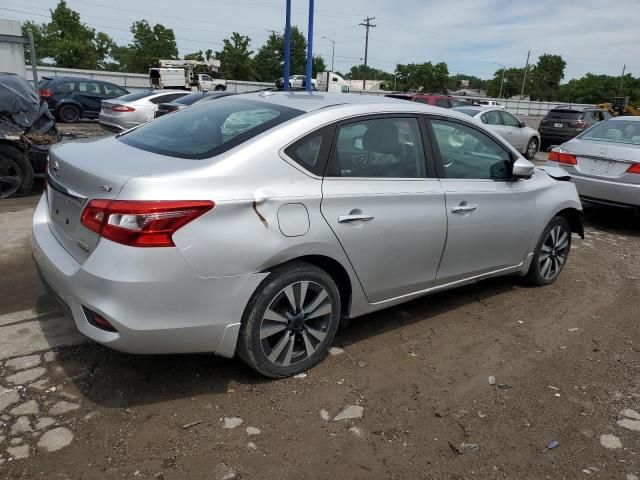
(464, 208)
(354, 218)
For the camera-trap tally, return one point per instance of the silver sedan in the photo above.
(135, 108)
(604, 162)
(253, 224)
(525, 139)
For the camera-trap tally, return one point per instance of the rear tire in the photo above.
(551, 253)
(16, 172)
(68, 114)
(290, 320)
(220, 88)
(532, 148)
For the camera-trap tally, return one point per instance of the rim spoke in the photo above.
(560, 259)
(303, 295)
(291, 297)
(325, 309)
(316, 302)
(317, 334)
(544, 271)
(268, 331)
(546, 248)
(287, 357)
(307, 344)
(275, 316)
(544, 256)
(279, 347)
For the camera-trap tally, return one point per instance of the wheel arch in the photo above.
(574, 217)
(68, 101)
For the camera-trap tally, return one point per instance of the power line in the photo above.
(367, 24)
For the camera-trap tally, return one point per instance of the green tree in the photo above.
(440, 77)
(39, 32)
(149, 45)
(546, 76)
(599, 88)
(235, 58)
(422, 77)
(512, 83)
(475, 83)
(269, 60)
(68, 42)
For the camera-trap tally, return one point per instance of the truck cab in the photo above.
(331, 82)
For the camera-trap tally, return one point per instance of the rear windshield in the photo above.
(132, 97)
(469, 111)
(208, 129)
(617, 131)
(565, 114)
(190, 99)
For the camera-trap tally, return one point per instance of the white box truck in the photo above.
(331, 82)
(180, 74)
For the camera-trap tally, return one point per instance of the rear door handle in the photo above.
(354, 218)
(464, 209)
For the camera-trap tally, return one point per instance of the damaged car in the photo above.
(27, 130)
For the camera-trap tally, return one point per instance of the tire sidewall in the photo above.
(534, 270)
(535, 140)
(249, 344)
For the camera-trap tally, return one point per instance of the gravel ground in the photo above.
(470, 383)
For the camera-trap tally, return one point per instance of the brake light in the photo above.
(122, 108)
(45, 93)
(635, 168)
(560, 156)
(142, 223)
(578, 124)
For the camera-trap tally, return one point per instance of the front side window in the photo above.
(509, 120)
(208, 129)
(469, 154)
(112, 90)
(379, 148)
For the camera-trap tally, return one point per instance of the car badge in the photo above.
(105, 188)
(56, 167)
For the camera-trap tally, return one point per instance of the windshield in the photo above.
(617, 131)
(132, 97)
(209, 128)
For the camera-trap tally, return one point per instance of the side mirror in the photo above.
(522, 124)
(522, 168)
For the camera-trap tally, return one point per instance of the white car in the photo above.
(524, 139)
(490, 104)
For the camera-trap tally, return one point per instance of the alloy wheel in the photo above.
(295, 323)
(553, 253)
(10, 177)
(532, 149)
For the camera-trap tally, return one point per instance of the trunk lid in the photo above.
(603, 159)
(83, 170)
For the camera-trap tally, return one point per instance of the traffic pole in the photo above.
(308, 84)
(287, 47)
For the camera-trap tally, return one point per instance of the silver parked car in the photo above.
(255, 223)
(135, 108)
(525, 139)
(604, 162)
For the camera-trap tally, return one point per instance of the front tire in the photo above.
(551, 252)
(290, 321)
(532, 148)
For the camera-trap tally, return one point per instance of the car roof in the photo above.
(78, 79)
(310, 101)
(625, 118)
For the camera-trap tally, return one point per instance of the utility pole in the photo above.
(524, 77)
(367, 23)
(624, 67)
(333, 50)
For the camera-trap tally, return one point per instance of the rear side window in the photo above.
(64, 87)
(312, 151)
(132, 97)
(166, 98)
(89, 87)
(492, 118)
(441, 102)
(208, 129)
(113, 90)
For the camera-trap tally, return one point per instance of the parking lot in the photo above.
(471, 383)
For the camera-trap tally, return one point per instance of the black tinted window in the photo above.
(565, 114)
(208, 129)
(170, 97)
(468, 153)
(385, 147)
(509, 120)
(311, 152)
(62, 87)
(441, 102)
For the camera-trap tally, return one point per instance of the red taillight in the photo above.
(557, 155)
(44, 93)
(142, 223)
(635, 168)
(122, 108)
(578, 124)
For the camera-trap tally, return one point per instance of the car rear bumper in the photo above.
(554, 138)
(607, 192)
(154, 300)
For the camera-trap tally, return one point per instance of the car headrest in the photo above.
(381, 137)
(613, 134)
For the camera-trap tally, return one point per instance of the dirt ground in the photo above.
(566, 362)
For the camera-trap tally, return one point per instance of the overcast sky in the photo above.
(596, 36)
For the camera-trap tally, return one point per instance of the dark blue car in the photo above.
(72, 98)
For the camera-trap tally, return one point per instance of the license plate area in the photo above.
(558, 125)
(592, 166)
(64, 211)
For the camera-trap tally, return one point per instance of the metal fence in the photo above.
(140, 81)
